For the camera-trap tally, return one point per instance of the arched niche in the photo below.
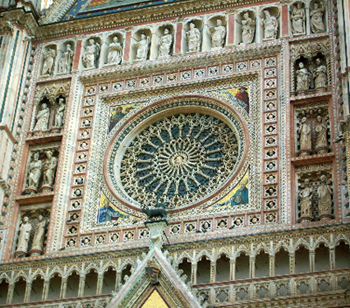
(242, 266)
(126, 272)
(55, 287)
(318, 16)
(282, 262)
(297, 18)
(245, 27)
(65, 57)
(192, 39)
(163, 43)
(4, 286)
(342, 255)
(91, 283)
(322, 258)
(113, 53)
(203, 270)
(302, 260)
(19, 290)
(48, 64)
(37, 289)
(91, 53)
(262, 264)
(216, 36)
(185, 265)
(141, 45)
(72, 288)
(270, 23)
(222, 268)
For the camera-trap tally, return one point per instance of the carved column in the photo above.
(312, 260)
(178, 37)
(194, 273)
(272, 265)
(10, 294)
(232, 269)
(292, 262)
(127, 46)
(28, 291)
(230, 27)
(212, 271)
(46, 289)
(205, 37)
(212, 296)
(99, 284)
(332, 258)
(307, 14)
(118, 280)
(153, 45)
(258, 28)
(251, 267)
(63, 287)
(81, 285)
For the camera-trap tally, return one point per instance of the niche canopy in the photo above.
(179, 153)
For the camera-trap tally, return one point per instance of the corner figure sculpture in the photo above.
(165, 44)
(23, 237)
(321, 136)
(65, 64)
(60, 113)
(316, 18)
(49, 62)
(34, 172)
(218, 34)
(42, 118)
(298, 19)
(115, 51)
(248, 29)
(193, 38)
(270, 26)
(50, 165)
(38, 239)
(324, 193)
(304, 138)
(305, 196)
(91, 54)
(320, 74)
(142, 47)
(303, 78)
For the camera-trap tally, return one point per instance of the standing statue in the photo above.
(42, 118)
(303, 78)
(60, 113)
(91, 54)
(305, 196)
(218, 34)
(23, 237)
(115, 51)
(321, 139)
(142, 47)
(316, 18)
(304, 138)
(324, 193)
(320, 74)
(298, 19)
(248, 29)
(34, 172)
(165, 44)
(38, 239)
(50, 165)
(193, 38)
(270, 26)
(49, 62)
(65, 64)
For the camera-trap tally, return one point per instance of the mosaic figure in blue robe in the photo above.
(240, 197)
(108, 213)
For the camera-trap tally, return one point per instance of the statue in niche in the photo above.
(304, 137)
(316, 18)
(193, 38)
(34, 172)
(38, 239)
(305, 196)
(42, 118)
(270, 26)
(91, 54)
(165, 44)
(65, 64)
(49, 62)
(23, 237)
(303, 78)
(60, 113)
(49, 167)
(218, 34)
(142, 47)
(321, 139)
(115, 51)
(248, 29)
(298, 19)
(320, 74)
(324, 193)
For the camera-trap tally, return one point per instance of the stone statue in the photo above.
(321, 139)
(91, 54)
(304, 138)
(305, 196)
(316, 18)
(49, 62)
(50, 165)
(218, 34)
(298, 19)
(38, 240)
(303, 78)
(115, 51)
(34, 172)
(23, 237)
(324, 198)
(270, 26)
(320, 74)
(60, 112)
(42, 118)
(142, 47)
(193, 38)
(65, 64)
(165, 44)
(248, 29)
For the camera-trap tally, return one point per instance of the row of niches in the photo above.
(315, 196)
(30, 239)
(312, 130)
(203, 33)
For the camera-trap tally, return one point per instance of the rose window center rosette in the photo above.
(176, 158)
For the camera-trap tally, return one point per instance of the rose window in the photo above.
(179, 159)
